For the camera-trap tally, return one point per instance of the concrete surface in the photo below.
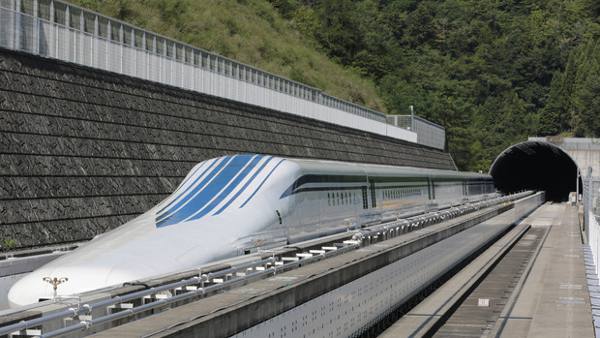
(554, 300)
(547, 296)
(423, 317)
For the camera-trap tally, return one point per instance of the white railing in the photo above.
(591, 209)
(59, 30)
(594, 238)
(428, 133)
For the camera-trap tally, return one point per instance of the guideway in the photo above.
(314, 299)
(531, 283)
(554, 300)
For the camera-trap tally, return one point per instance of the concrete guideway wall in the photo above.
(83, 151)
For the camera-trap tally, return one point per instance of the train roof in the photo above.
(349, 168)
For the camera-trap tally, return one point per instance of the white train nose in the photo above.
(32, 288)
(28, 291)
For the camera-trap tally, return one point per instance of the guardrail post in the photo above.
(95, 58)
(132, 46)
(36, 27)
(81, 53)
(121, 48)
(109, 39)
(146, 57)
(16, 43)
(67, 26)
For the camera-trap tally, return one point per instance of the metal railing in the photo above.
(591, 214)
(428, 133)
(56, 29)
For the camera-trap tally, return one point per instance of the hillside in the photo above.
(250, 31)
(492, 72)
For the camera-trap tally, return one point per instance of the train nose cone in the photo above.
(27, 291)
(32, 288)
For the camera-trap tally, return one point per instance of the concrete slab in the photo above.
(554, 299)
(424, 316)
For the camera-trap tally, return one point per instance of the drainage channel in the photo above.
(479, 311)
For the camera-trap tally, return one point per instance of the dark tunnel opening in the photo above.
(536, 166)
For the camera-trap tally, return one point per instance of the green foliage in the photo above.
(251, 31)
(492, 72)
(8, 243)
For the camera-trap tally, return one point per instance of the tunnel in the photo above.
(537, 166)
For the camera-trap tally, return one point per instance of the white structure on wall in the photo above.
(59, 30)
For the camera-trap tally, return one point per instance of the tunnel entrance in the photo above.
(535, 166)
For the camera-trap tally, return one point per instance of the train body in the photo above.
(235, 204)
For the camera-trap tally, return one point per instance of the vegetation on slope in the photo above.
(493, 72)
(250, 31)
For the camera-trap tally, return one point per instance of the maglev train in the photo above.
(235, 204)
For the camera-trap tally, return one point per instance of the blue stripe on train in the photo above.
(261, 183)
(199, 200)
(178, 205)
(237, 194)
(168, 206)
(228, 189)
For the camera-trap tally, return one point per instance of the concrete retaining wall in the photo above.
(83, 151)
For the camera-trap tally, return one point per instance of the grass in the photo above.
(8, 243)
(250, 31)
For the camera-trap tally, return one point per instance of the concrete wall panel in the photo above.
(83, 151)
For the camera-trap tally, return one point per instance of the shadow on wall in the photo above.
(535, 166)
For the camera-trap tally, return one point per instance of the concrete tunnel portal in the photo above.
(533, 165)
